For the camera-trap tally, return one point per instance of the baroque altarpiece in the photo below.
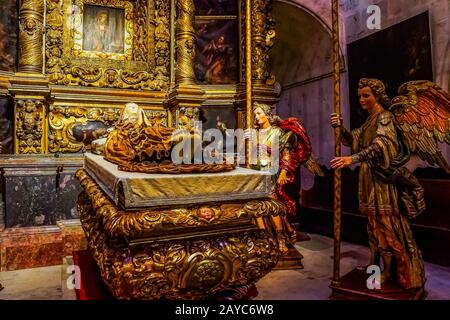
(66, 75)
(79, 61)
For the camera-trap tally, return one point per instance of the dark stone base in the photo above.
(39, 190)
(353, 287)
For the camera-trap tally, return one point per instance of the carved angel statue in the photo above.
(412, 123)
(287, 141)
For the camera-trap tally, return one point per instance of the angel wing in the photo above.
(422, 113)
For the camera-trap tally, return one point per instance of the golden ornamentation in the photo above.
(140, 68)
(77, 30)
(269, 207)
(187, 117)
(176, 168)
(181, 256)
(141, 51)
(263, 31)
(162, 39)
(185, 40)
(63, 119)
(31, 17)
(29, 126)
(136, 223)
(242, 44)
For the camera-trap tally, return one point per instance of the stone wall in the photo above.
(310, 95)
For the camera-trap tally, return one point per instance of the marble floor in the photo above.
(311, 283)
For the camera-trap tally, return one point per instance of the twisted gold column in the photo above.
(31, 41)
(185, 42)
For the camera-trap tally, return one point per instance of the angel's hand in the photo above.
(341, 162)
(336, 120)
(282, 178)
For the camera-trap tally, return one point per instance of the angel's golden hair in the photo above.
(378, 89)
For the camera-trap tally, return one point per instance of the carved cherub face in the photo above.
(206, 213)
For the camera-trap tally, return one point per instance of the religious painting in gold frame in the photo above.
(104, 31)
(144, 61)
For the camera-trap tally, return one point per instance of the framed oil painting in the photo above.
(395, 55)
(104, 31)
(216, 51)
(8, 35)
(108, 43)
(215, 7)
(6, 126)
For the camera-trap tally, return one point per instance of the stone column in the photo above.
(31, 41)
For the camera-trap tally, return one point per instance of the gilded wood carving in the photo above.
(30, 115)
(185, 42)
(178, 258)
(72, 129)
(136, 63)
(263, 26)
(31, 18)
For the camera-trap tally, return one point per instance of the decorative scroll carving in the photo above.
(187, 117)
(140, 68)
(29, 126)
(72, 129)
(185, 40)
(31, 17)
(162, 39)
(263, 31)
(157, 118)
(141, 48)
(160, 266)
(54, 39)
(242, 59)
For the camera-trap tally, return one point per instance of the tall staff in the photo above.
(337, 148)
(248, 76)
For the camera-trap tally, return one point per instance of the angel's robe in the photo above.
(377, 146)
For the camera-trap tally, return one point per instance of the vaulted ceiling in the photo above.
(302, 47)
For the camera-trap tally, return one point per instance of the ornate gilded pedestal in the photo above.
(203, 248)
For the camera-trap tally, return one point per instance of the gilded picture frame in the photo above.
(107, 29)
(141, 63)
